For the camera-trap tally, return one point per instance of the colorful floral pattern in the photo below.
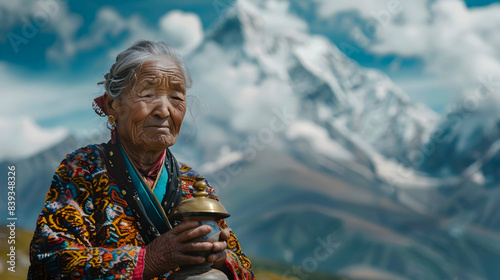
(87, 229)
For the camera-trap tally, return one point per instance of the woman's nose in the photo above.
(162, 109)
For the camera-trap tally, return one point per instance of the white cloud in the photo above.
(66, 106)
(54, 16)
(27, 100)
(375, 9)
(23, 137)
(235, 90)
(273, 14)
(319, 139)
(41, 97)
(111, 25)
(184, 29)
(458, 44)
(37, 16)
(11, 12)
(63, 107)
(226, 158)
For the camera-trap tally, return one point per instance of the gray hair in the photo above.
(129, 61)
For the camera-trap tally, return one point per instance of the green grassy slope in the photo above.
(269, 270)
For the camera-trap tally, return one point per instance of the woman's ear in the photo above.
(108, 104)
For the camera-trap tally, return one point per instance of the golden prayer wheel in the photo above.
(206, 211)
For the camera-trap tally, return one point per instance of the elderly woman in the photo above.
(105, 213)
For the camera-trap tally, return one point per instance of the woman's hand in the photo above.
(218, 258)
(167, 251)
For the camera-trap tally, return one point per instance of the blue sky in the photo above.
(53, 52)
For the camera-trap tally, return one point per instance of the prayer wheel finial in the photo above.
(200, 205)
(200, 187)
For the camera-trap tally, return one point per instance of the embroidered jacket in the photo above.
(88, 229)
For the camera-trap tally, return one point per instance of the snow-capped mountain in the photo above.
(348, 122)
(466, 137)
(465, 154)
(276, 63)
(333, 114)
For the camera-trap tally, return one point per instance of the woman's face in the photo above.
(149, 114)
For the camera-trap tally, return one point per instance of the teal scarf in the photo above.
(150, 200)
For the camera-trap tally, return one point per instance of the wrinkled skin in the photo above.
(168, 250)
(149, 114)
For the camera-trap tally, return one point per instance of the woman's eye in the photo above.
(147, 93)
(176, 97)
(150, 83)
